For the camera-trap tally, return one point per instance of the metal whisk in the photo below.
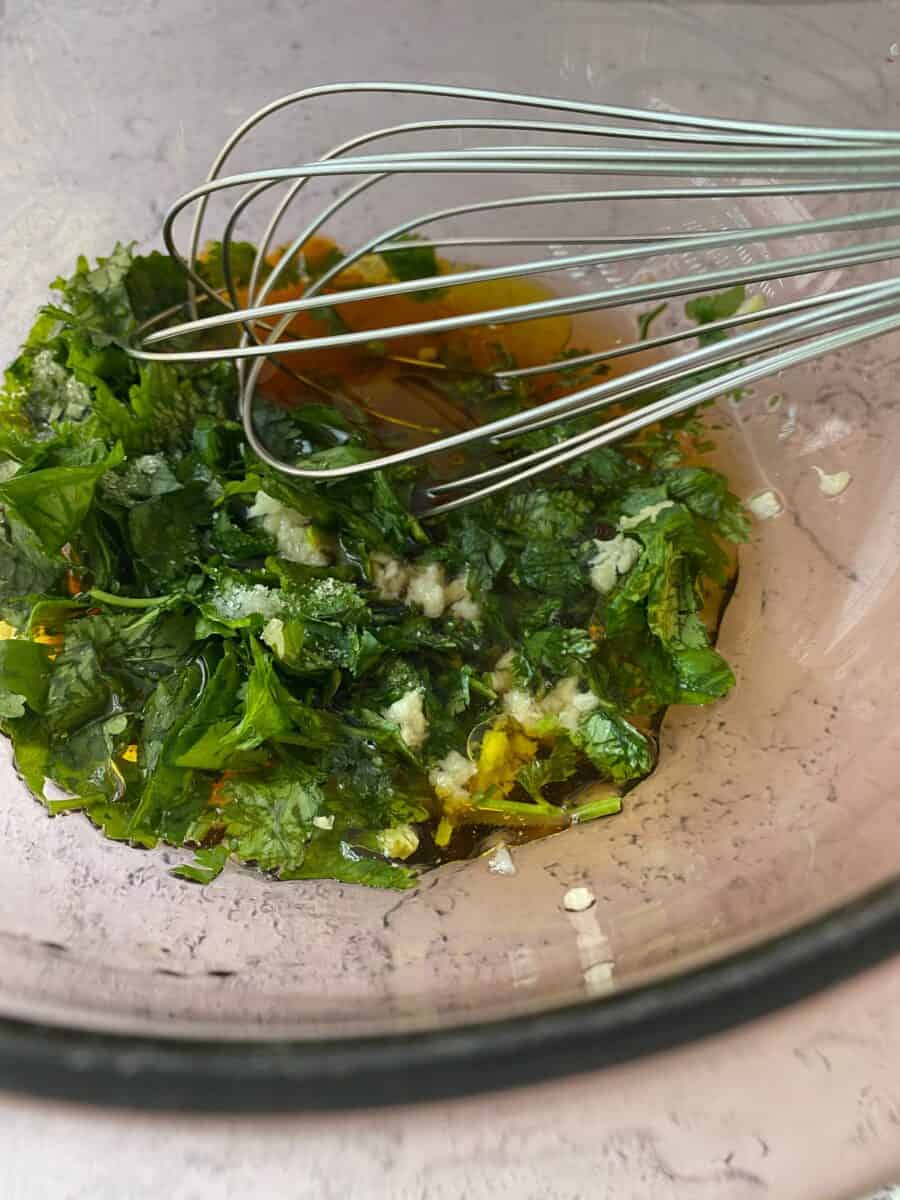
(708, 158)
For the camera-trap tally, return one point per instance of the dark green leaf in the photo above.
(329, 600)
(241, 258)
(716, 306)
(79, 690)
(414, 262)
(165, 535)
(473, 547)
(84, 763)
(207, 864)
(240, 262)
(25, 672)
(144, 643)
(703, 675)
(556, 767)
(55, 501)
(551, 653)
(154, 283)
(165, 404)
(542, 513)
(618, 750)
(97, 298)
(221, 734)
(707, 495)
(169, 794)
(238, 543)
(267, 819)
(328, 856)
(552, 567)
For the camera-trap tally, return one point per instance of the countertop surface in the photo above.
(804, 1105)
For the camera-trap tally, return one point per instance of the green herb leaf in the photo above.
(97, 298)
(200, 689)
(267, 820)
(79, 690)
(706, 494)
(554, 568)
(154, 283)
(55, 501)
(208, 864)
(703, 675)
(414, 261)
(556, 767)
(25, 673)
(618, 750)
(716, 306)
(551, 653)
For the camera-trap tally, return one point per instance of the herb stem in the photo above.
(128, 601)
(605, 806)
(515, 812)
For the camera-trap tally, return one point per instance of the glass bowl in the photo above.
(758, 863)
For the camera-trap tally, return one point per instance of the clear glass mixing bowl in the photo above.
(760, 860)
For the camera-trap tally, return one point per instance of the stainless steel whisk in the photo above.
(713, 158)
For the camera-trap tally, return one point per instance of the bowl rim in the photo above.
(283, 1076)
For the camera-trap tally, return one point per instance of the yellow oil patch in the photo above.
(503, 753)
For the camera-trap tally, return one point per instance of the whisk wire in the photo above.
(630, 424)
(722, 159)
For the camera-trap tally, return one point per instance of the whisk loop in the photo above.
(723, 159)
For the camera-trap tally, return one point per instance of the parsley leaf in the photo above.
(618, 750)
(556, 767)
(55, 501)
(715, 307)
(551, 653)
(554, 568)
(187, 681)
(414, 261)
(265, 819)
(24, 673)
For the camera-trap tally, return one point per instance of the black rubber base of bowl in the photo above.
(148, 1073)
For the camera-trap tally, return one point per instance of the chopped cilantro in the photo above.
(299, 676)
(414, 261)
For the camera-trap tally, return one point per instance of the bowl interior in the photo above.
(766, 808)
